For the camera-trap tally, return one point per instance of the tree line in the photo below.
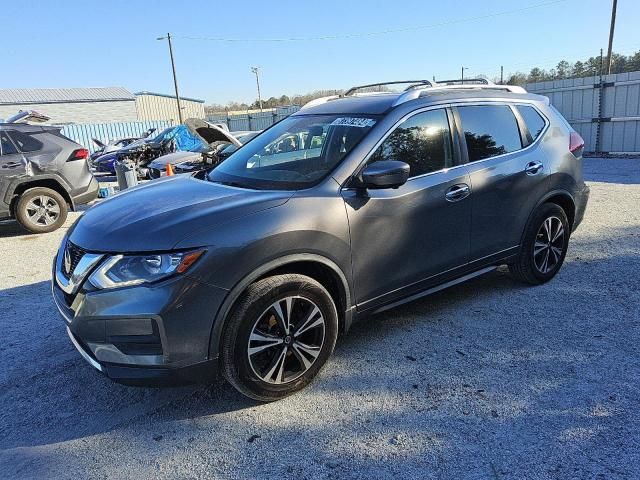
(564, 69)
(580, 68)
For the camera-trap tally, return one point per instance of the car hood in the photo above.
(174, 158)
(210, 133)
(158, 215)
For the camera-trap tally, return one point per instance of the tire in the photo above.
(530, 266)
(41, 210)
(267, 374)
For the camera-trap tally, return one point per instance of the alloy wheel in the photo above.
(43, 210)
(286, 340)
(549, 245)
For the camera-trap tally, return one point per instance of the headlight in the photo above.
(127, 270)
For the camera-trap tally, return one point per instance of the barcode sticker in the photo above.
(354, 122)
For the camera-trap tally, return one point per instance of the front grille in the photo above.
(74, 254)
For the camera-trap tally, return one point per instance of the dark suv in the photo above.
(43, 174)
(353, 205)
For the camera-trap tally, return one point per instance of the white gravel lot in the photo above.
(490, 379)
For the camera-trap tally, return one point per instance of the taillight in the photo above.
(79, 154)
(575, 142)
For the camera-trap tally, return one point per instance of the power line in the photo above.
(377, 33)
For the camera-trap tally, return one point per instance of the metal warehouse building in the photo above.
(71, 105)
(156, 106)
(97, 105)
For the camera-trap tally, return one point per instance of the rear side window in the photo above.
(489, 130)
(535, 122)
(6, 146)
(423, 141)
(26, 143)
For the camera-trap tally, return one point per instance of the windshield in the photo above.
(295, 153)
(162, 136)
(229, 149)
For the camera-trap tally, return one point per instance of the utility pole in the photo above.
(255, 70)
(175, 79)
(501, 75)
(462, 69)
(611, 29)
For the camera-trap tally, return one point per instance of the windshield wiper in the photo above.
(229, 184)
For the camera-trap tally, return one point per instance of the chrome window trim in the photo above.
(546, 120)
(502, 102)
(478, 102)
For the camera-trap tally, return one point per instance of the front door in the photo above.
(401, 237)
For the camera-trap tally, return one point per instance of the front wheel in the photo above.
(278, 336)
(544, 245)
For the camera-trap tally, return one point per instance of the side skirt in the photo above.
(435, 289)
(436, 283)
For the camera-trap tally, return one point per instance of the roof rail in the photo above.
(465, 81)
(417, 93)
(415, 84)
(419, 88)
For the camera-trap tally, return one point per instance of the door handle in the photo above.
(533, 168)
(11, 165)
(457, 192)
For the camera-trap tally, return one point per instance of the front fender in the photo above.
(235, 293)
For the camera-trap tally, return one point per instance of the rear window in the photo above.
(535, 122)
(489, 130)
(25, 142)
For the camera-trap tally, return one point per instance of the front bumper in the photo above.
(146, 335)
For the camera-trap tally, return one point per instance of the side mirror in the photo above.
(385, 174)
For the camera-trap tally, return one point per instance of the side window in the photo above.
(535, 123)
(26, 143)
(6, 146)
(489, 130)
(423, 141)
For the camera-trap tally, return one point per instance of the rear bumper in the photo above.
(581, 199)
(89, 195)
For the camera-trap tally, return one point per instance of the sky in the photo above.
(87, 43)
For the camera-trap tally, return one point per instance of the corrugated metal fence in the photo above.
(253, 121)
(605, 113)
(105, 132)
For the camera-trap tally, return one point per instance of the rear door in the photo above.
(402, 237)
(12, 162)
(507, 173)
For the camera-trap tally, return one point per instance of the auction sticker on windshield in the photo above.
(354, 122)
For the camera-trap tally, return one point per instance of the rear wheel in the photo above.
(278, 336)
(544, 245)
(41, 210)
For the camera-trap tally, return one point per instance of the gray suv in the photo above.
(351, 206)
(43, 174)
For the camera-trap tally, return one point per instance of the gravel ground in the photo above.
(490, 379)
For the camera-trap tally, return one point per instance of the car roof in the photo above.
(381, 103)
(25, 127)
